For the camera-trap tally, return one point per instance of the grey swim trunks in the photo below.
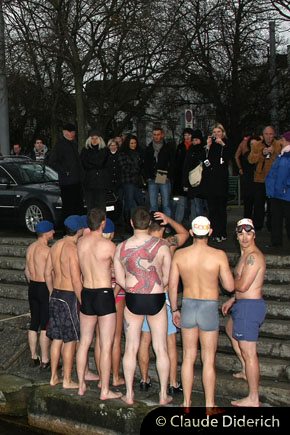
(200, 313)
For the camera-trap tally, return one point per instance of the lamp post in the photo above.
(4, 117)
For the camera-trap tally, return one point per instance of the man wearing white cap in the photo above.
(200, 268)
(248, 310)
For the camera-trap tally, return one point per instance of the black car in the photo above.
(29, 193)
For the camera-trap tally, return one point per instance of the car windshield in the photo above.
(32, 173)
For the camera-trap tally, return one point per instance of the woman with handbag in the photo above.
(94, 158)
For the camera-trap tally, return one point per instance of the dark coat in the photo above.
(215, 178)
(94, 161)
(194, 156)
(114, 170)
(164, 161)
(177, 187)
(131, 164)
(65, 160)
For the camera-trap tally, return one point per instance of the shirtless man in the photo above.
(248, 310)
(97, 301)
(63, 279)
(156, 229)
(200, 268)
(142, 266)
(38, 295)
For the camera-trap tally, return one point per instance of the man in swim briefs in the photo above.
(248, 310)
(200, 268)
(38, 294)
(142, 266)
(63, 279)
(97, 301)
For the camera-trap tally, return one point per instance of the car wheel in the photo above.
(34, 212)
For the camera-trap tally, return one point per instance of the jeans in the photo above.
(165, 191)
(198, 207)
(132, 197)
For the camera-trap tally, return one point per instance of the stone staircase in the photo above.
(273, 346)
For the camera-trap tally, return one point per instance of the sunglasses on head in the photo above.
(246, 227)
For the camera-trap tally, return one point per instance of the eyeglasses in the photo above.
(246, 227)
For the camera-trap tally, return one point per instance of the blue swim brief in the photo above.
(171, 328)
(248, 316)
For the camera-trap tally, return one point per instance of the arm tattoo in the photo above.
(251, 260)
(172, 241)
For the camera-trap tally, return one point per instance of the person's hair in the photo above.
(155, 226)
(125, 148)
(141, 218)
(221, 127)
(70, 232)
(206, 236)
(88, 143)
(112, 141)
(95, 217)
(158, 128)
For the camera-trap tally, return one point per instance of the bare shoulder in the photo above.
(255, 257)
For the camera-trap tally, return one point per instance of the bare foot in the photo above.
(165, 400)
(118, 381)
(127, 400)
(240, 375)
(54, 381)
(110, 395)
(90, 376)
(70, 385)
(82, 389)
(247, 401)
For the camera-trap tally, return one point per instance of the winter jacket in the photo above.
(94, 162)
(164, 161)
(194, 156)
(131, 164)
(263, 164)
(65, 159)
(278, 178)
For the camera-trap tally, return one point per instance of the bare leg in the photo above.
(144, 355)
(208, 342)
(116, 353)
(249, 353)
(236, 347)
(32, 341)
(158, 326)
(190, 343)
(44, 343)
(55, 350)
(133, 325)
(107, 326)
(97, 352)
(68, 353)
(87, 327)
(172, 353)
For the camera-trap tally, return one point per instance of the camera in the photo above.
(269, 154)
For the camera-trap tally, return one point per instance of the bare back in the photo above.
(66, 272)
(36, 257)
(250, 274)
(200, 268)
(142, 265)
(96, 257)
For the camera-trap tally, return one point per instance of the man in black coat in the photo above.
(65, 160)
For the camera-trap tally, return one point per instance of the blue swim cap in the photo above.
(109, 227)
(43, 227)
(84, 219)
(74, 222)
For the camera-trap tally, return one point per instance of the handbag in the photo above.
(194, 176)
(161, 177)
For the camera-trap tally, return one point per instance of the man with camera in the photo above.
(263, 153)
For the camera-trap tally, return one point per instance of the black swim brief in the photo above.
(145, 304)
(97, 302)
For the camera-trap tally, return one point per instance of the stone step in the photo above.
(12, 263)
(13, 250)
(272, 261)
(12, 276)
(13, 307)
(17, 241)
(14, 291)
(277, 275)
(266, 347)
(270, 328)
(275, 309)
(275, 291)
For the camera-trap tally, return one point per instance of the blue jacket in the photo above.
(278, 178)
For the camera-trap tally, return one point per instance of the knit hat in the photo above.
(69, 127)
(286, 136)
(44, 227)
(200, 226)
(74, 222)
(197, 134)
(109, 227)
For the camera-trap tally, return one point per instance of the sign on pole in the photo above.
(188, 118)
